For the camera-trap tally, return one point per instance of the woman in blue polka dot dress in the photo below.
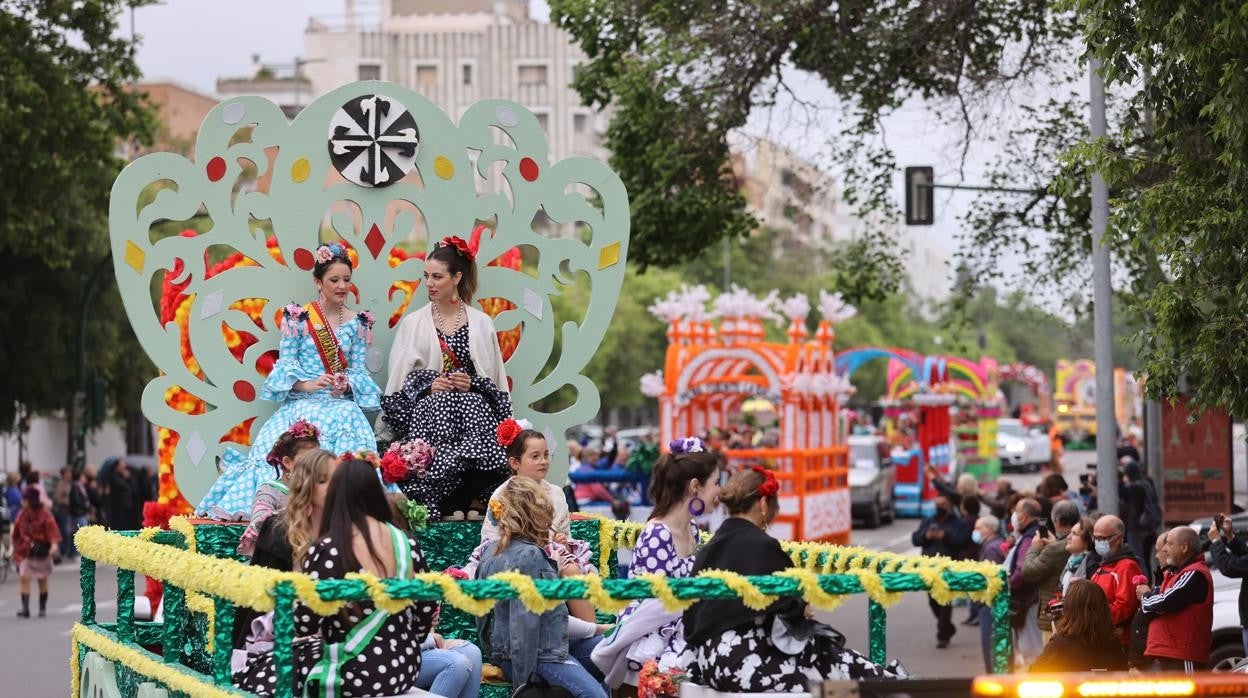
(320, 377)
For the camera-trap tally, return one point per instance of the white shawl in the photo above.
(416, 347)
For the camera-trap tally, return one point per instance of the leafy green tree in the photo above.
(65, 108)
(680, 76)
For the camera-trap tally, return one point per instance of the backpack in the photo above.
(1150, 517)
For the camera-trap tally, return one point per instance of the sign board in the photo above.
(1195, 461)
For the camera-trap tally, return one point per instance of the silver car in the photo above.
(871, 479)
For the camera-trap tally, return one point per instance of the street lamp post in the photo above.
(1102, 315)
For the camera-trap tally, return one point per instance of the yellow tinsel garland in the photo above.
(599, 597)
(250, 586)
(195, 601)
(527, 592)
(661, 591)
(750, 595)
(141, 663)
(811, 591)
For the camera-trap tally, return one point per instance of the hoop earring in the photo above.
(696, 507)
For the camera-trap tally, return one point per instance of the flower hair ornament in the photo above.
(496, 509)
(363, 454)
(325, 253)
(303, 429)
(689, 444)
(459, 244)
(509, 429)
(770, 486)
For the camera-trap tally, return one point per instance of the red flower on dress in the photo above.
(393, 467)
(459, 244)
(508, 430)
(770, 485)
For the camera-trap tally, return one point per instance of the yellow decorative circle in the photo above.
(443, 168)
(300, 170)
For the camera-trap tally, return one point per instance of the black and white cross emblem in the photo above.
(373, 141)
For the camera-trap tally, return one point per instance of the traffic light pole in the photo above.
(78, 417)
(1102, 315)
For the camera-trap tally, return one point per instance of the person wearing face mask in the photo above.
(1117, 568)
(1046, 559)
(1024, 614)
(1181, 631)
(943, 533)
(986, 534)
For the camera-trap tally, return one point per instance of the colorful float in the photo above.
(713, 367)
(216, 323)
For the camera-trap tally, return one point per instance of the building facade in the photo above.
(456, 53)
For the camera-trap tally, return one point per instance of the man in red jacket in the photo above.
(1181, 632)
(1117, 572)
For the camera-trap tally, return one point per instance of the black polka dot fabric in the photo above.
(389, 664)
(469, 463)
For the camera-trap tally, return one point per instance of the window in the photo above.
(426, 77)
(465, 75)
(370, 72)
(532, 75)
(580, 123)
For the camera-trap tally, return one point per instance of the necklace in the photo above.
(459, 315)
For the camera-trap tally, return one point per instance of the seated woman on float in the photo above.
(320, 377)
(363, 650)
(684, 485)
(528, 456)
(447, 388)
(735, 649)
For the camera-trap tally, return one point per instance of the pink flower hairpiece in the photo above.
(325, 253)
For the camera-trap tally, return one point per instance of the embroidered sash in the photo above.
(450, 360)
(326, 341)
(326, 677)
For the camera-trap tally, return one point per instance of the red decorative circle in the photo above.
(304, 259)
(216, 169)
(244, 391)
(528, 169)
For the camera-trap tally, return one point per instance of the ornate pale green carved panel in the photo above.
(316, 161)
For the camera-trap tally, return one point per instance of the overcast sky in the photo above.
(194, 42)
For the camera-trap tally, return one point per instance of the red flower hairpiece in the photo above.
(507, 431)
(770, 486)
(459, 244)
(365, 455)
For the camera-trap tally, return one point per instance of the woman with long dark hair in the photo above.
(780, 648)
(362, 650)
(1083, 636)
(683, 485)
(320, 377)
(447, 387)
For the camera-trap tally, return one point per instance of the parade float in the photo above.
(718, 359)
(213, 332)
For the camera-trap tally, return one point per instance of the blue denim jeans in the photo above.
(454, 673)
(576, 673)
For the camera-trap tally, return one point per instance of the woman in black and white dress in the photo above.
(779, 649)
(447, 387)
(361, 651)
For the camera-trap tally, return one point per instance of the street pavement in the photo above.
(34, 653)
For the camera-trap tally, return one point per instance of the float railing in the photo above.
(824, 575)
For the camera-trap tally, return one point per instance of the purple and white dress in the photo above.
(644, 630)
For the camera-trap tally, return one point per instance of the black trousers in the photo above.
(944, 619)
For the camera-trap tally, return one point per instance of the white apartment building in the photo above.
(457, 52)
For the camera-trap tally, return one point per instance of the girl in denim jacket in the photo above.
(526, 645)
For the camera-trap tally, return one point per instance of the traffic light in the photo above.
(919, 198)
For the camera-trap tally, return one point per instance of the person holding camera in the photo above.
(1230, 556)
(943, 533)
(1083, 635)
(35, 540)
(1046, 559)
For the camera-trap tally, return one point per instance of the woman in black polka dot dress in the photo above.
(373, 653)
(447, 386)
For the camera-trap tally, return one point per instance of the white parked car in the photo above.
(1021, 447)
(1228, 641)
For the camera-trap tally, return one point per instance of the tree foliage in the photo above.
(65, 106)
(680, 76)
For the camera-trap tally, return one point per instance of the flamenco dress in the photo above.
(468, 461)
(340, 420)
